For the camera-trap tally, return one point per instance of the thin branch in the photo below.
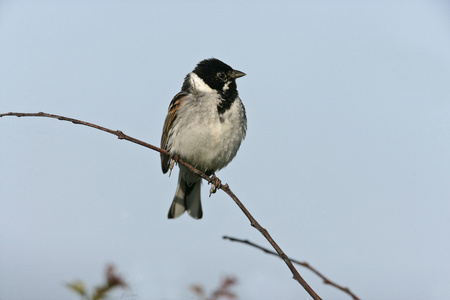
(303, 264)
(224, 187)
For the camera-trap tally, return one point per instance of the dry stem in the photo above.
(224, 187)
(303, 264)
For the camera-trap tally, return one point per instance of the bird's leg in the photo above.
(215, 184)
(172, 162)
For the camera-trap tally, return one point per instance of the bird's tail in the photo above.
(187, 196)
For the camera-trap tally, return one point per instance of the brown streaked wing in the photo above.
(167, 129)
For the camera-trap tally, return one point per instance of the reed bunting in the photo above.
(204, 126)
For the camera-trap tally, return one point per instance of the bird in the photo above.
(205, 125)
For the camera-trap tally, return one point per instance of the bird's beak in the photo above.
(237, 74)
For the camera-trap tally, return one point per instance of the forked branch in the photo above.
(224, 187)
(303, 264)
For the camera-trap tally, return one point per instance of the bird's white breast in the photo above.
(201, 136)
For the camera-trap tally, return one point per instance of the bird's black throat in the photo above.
(227, 101)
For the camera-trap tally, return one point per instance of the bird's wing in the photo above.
(168, 126)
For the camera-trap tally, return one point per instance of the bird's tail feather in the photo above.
(187, 197)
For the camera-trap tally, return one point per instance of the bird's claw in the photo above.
(172, 162)
(215, 184)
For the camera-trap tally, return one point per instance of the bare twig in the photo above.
(303, 264)
(224, 187)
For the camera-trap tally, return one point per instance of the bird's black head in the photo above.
(219, 76)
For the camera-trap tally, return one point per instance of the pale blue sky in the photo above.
(346, 161)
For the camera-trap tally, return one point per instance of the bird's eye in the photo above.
(222, 76)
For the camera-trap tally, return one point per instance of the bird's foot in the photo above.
(215, 184)
(172, 162)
